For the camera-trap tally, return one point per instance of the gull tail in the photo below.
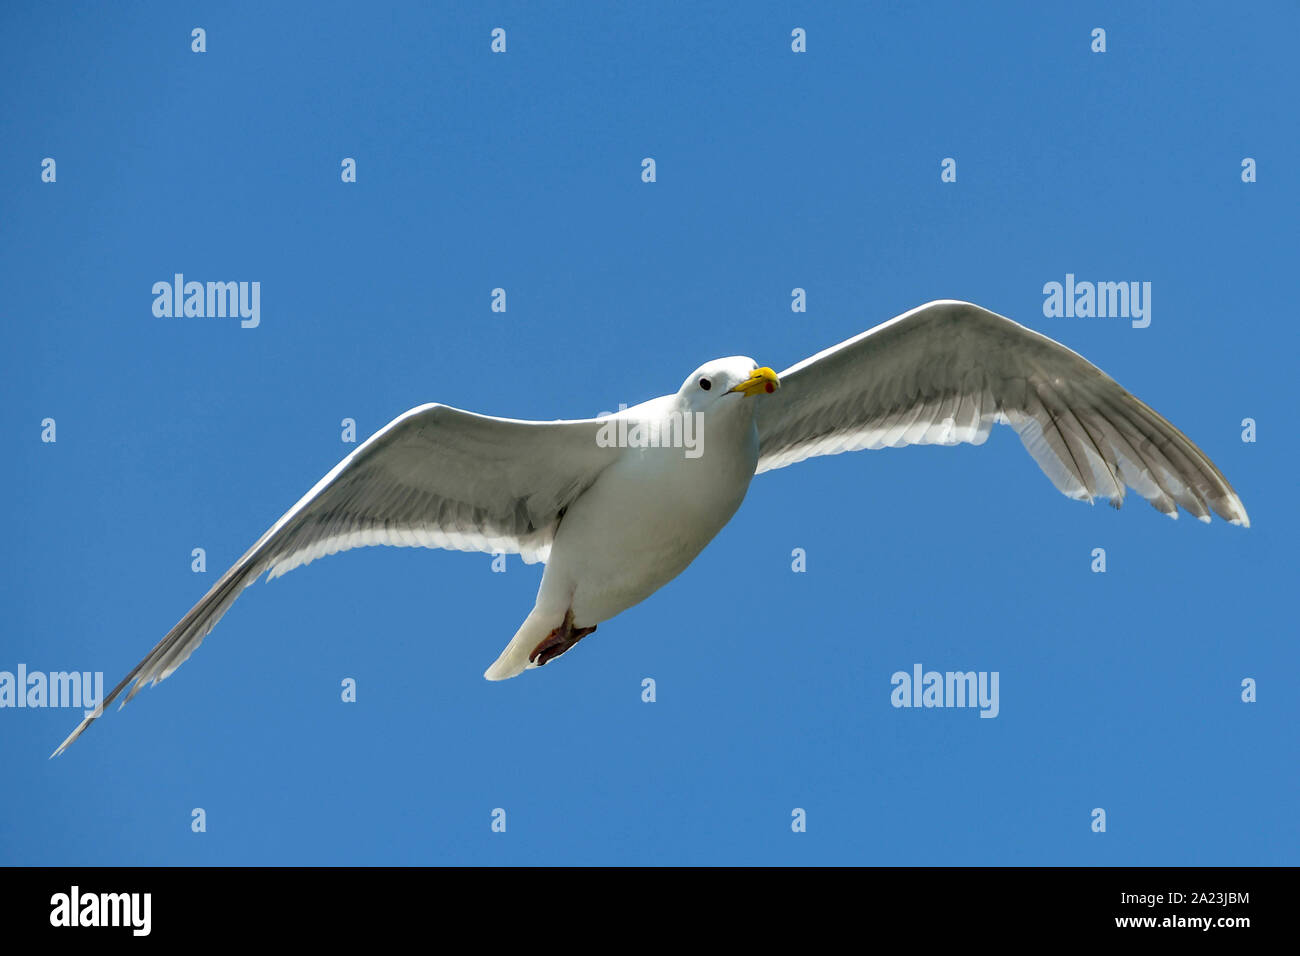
(514, 659)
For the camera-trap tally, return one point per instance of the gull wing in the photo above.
(945, 372)
(435, 477)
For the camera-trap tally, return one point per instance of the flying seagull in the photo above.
(616, 512)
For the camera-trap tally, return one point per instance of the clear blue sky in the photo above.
(775, 170)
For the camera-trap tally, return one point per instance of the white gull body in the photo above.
(648, 514)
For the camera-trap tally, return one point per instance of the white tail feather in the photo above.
(514, 659)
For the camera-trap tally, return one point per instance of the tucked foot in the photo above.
(559, 641)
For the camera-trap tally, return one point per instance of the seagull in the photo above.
(618, 506)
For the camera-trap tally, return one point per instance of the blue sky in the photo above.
(522, 170)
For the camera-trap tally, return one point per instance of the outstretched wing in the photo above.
(435, 477)
(944, 373)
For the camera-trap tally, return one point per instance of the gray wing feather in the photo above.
(946, 372)
(435, 477)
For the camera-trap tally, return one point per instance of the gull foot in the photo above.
(559, 641)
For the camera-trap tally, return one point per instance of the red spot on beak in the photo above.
(770, 388)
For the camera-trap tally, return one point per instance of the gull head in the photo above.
(731, 379)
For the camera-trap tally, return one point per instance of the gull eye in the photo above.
(705, 384)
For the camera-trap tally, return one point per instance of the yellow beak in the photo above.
(760, 380)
